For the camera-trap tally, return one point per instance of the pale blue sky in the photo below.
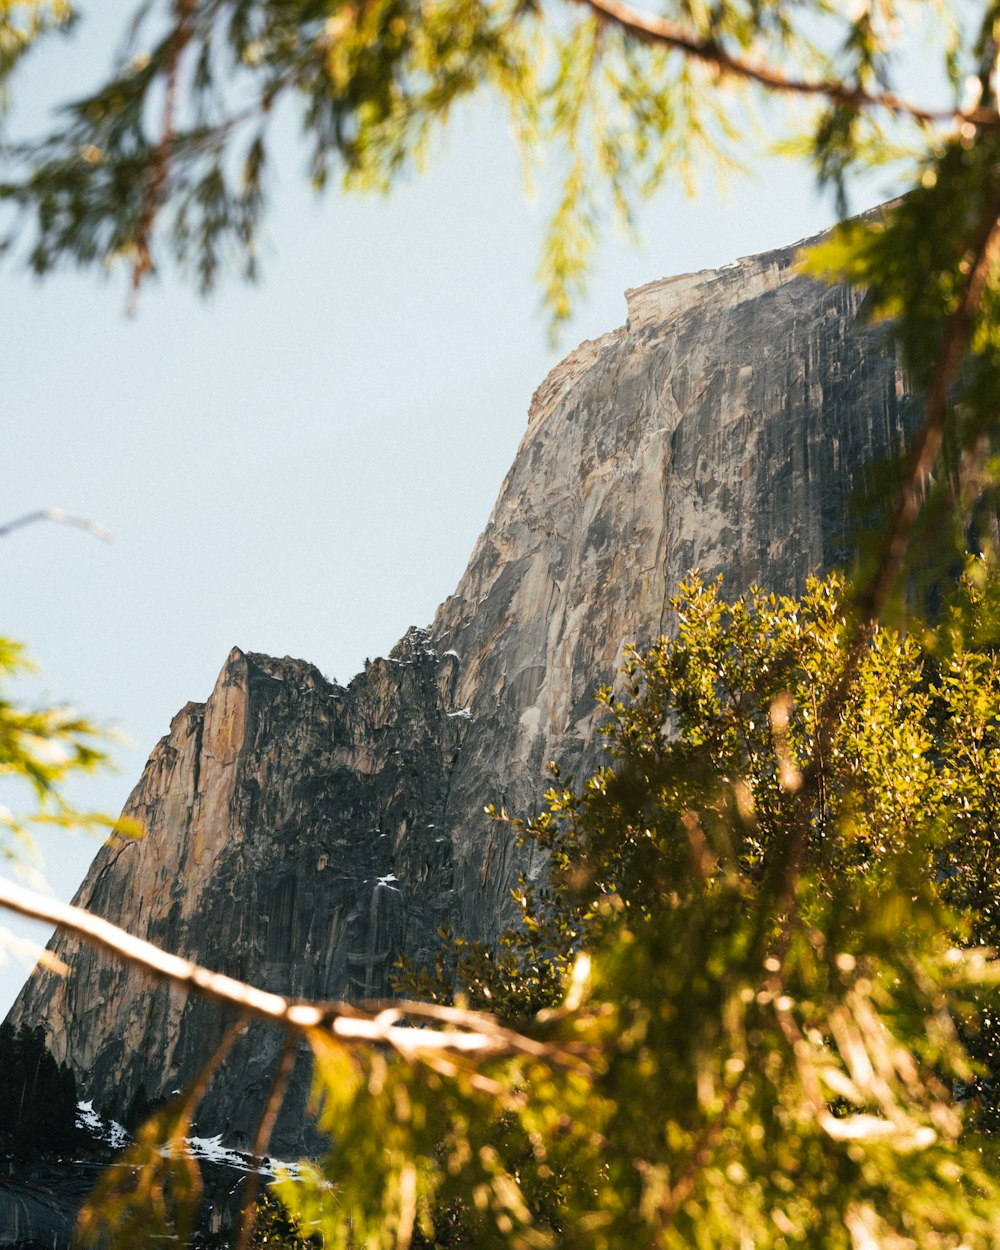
(300, 467)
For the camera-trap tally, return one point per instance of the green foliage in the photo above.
(753, 1068)
(710, 749)
(408, 1139)
(722, 1050)
(275, 1227)
(749, 984)
(22, 22)
(168, 156)
(40, 750)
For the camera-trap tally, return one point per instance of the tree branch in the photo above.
(371, 1023)
(62, 518)
(870, 601)
(157, 177)
(661, 31)
(984, 248)
(264, 1130)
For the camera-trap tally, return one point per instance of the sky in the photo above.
(299, 467)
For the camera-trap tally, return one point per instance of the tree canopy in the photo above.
(167, 157)
(770, 1065)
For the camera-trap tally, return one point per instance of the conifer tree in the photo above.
(37, 1095)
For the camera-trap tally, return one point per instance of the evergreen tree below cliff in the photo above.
(37, 1095)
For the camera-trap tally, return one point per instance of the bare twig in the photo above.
(926, 447)
(264, 1130)
(160, 164)
(480, 1034)
(197, 1090)
(653, 29)
(62, 518)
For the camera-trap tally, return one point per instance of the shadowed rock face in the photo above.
(302, 835)
(295, 838)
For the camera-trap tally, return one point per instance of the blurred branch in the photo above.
(264, 1130)
(180, 37)
(369, 1023)
(870, 600)
(62, 518)
(652, 29)
(926, 446)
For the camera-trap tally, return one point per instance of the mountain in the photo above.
(302, 835)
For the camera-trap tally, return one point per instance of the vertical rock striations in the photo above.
(302, 835)
(725, 427)
(287, 820)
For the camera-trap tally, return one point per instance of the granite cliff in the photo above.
(302, 834)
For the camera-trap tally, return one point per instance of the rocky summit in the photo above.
(303, 835)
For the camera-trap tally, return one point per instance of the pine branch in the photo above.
(652, 29)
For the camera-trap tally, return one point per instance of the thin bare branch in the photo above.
(199, 1087)
(264, 1130)
(871, 599)
(157, 178)
(61, 518)
(650, 28)
(375, 1023)
(984, 248)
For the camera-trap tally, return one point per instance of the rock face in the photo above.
(295, 838)
(301, 835)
